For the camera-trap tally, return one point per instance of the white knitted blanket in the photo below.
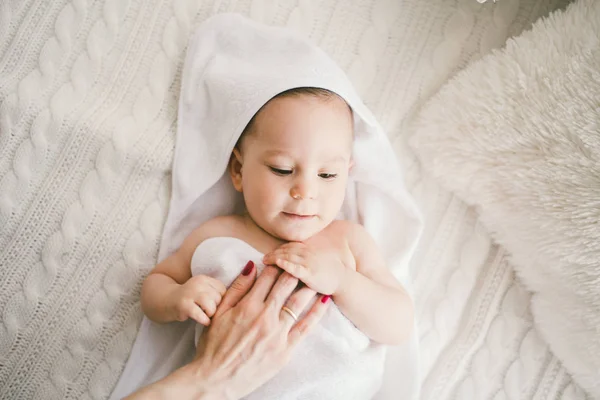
(88, 95)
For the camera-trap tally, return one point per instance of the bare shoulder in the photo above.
(341, 226)
(177, 265)
(352, 231)
(367, 254)
(355, 235)
(361, 243)
(225, 225)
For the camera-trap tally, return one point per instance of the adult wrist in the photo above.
(186, 383)
(208, 383)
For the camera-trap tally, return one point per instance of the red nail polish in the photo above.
(248, 268)
(325, 298)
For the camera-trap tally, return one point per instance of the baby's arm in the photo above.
(170, 293)
(371, 297)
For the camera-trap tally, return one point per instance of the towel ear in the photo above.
(235, 169)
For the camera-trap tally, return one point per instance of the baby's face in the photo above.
(295, 165)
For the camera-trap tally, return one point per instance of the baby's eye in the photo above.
(327, 176)
(280, 171)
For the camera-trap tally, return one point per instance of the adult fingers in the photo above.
(308, 322)
(281, 290)
(238, 289)
(295, 305)
(264, 283)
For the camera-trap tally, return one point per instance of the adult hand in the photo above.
(248, 341)
(251, 338)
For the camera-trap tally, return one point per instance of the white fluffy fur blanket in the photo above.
(518, 136)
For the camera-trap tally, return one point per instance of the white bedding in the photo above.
(516, 136)
(88, 94)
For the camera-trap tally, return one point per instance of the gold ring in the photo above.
(292, 314)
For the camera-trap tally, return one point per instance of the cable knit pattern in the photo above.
(88, 97)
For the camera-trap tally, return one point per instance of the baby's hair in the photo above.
(321, 93)
(312, 91)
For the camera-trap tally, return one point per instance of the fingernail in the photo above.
(248, 268)
(325, 299)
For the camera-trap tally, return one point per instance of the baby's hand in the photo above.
(319, 269)
(197, 299)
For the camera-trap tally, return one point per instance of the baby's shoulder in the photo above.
(343, 230)
(223, 225)
(354, 233)
(344, 227)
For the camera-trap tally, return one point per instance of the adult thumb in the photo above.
(238, 289)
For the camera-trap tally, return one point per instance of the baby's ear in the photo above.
(350, 165)
(235, 169)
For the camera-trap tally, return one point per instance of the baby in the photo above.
(291, 165)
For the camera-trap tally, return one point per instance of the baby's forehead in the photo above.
(273, 141)
(274, 113)
(290, 152)
(310, 122)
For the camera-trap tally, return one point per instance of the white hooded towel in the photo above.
(232, 68)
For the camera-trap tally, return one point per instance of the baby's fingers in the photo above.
(218, 286)
(297, 270)
(209, 302)
(204, 282)
(270, 258)
(197, 314)
(291, 256)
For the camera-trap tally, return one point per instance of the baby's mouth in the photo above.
(298, 216)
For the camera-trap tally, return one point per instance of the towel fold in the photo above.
(232, 68)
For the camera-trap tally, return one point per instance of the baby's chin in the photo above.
(294, 238)
(300, 236)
